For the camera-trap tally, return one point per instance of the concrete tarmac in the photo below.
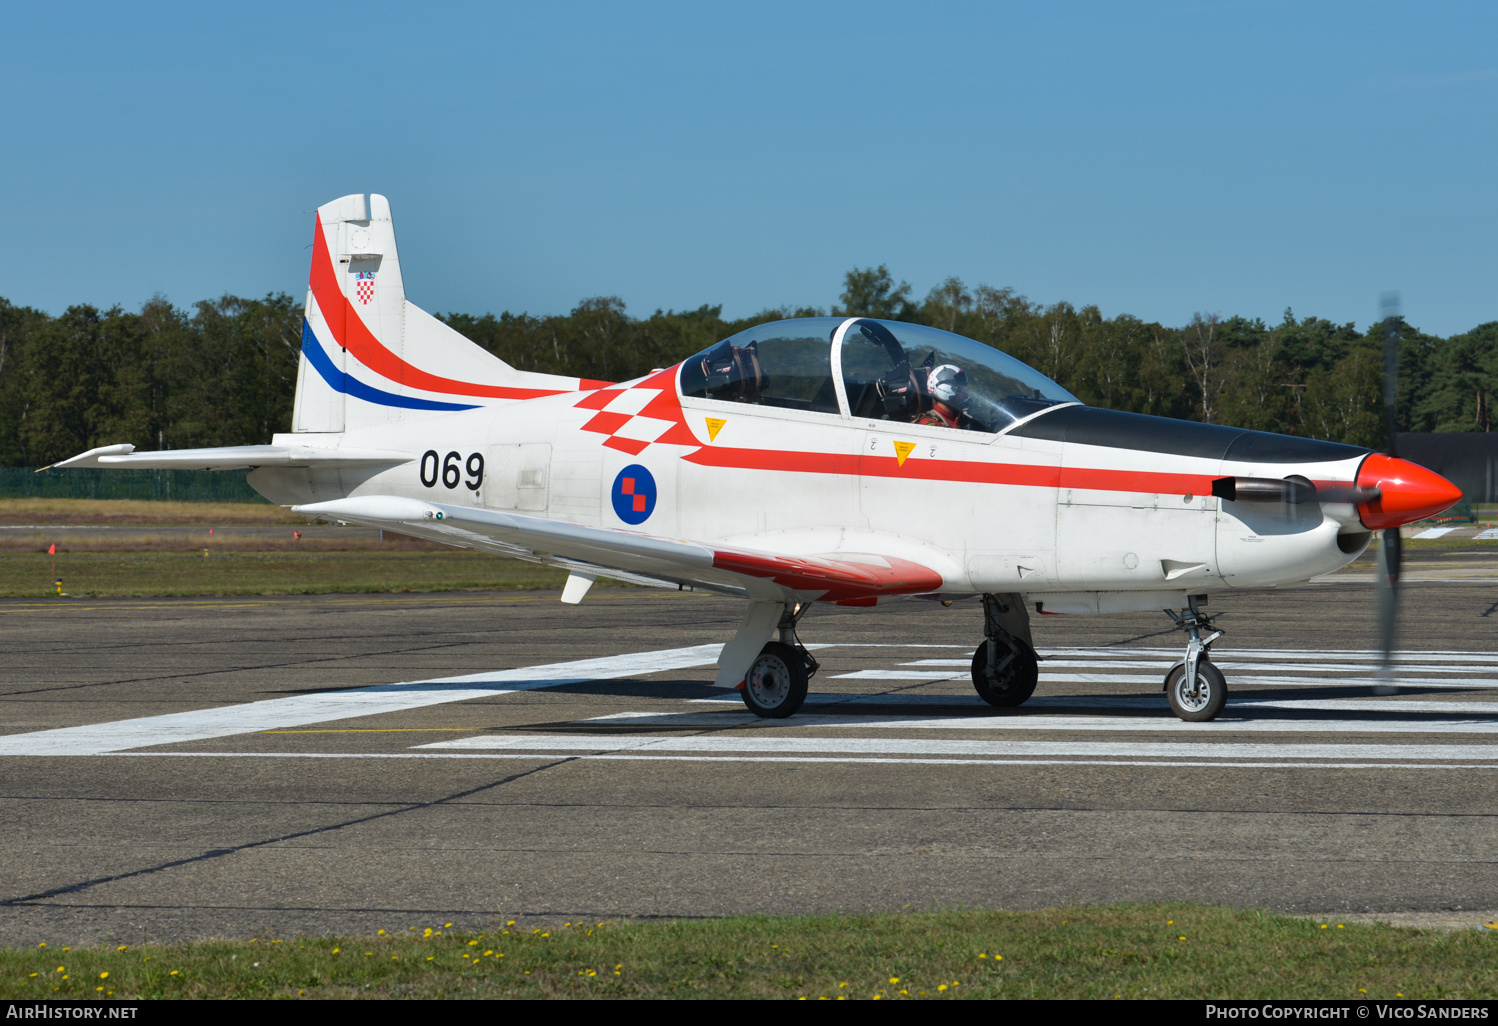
(274, 784)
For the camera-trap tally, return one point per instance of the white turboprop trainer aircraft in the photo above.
(786, 465)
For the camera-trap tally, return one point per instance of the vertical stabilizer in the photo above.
(368, 355)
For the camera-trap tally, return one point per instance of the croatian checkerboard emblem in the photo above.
(364, 286)
(634, 494)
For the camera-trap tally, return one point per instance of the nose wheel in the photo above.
(1199, 700)
(1195, 688)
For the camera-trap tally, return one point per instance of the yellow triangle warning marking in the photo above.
(902, 450)
(714, 425)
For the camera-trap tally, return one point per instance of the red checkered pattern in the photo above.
(365, 291)
(633, 419)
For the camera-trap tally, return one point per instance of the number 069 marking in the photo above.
(434, 465)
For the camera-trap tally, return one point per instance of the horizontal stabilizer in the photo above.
(233, 457)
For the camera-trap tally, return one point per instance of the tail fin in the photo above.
(368, 355)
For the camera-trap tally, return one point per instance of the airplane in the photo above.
(843, 460)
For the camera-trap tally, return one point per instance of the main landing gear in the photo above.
(775, 685)
(1005, 667)
(1195, 688)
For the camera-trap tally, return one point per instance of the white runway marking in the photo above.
(280, 713)
(759, 744)
(1159, 665)
(1154, 679)
(877, 760)
(1085, 724)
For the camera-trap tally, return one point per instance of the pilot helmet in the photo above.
(947, 384)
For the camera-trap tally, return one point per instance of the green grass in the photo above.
(134, 574)
(1130, 951)
(122, 512)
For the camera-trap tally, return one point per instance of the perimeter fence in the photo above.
(157, 485)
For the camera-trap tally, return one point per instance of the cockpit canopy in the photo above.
(886, 369)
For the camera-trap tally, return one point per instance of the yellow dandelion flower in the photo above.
(173, 972)
(43, 944)
(1323, 926)
(894, 979)
(336, 950)
(380, 932)
(103, 976)
(473, 944)
(1183, 938)
(122, 947)
(941, 986)
(446, 925)
(430, 958)
(982, 955)
(1340, 926)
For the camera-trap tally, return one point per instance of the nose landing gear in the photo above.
(1195, 688)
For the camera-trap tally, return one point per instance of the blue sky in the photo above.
(1157, 159)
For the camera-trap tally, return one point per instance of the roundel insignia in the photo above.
(634, 494)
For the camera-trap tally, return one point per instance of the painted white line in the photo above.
(1089, 724)
(1154, 679)
(761, 745)
(1366, 655)
(1052, 663)
(280, 713)
(1435, 532)
(1491, 534)
(1238, 680)
(615, 757)
(1148, 701)
(897, 675)
(1386, 705)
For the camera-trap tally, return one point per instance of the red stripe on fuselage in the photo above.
(350, 332)
(1027, 475)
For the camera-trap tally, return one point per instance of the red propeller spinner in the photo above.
(1406, 492)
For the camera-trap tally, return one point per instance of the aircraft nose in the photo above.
(1408, 492)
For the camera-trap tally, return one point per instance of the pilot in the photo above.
(946, 384)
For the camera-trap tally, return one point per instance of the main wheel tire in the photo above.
(1011, 685)
(1201, 703)
(775, 685)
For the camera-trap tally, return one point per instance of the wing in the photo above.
(848, 578)
(234, 457)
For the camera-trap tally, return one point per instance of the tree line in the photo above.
(223, 372)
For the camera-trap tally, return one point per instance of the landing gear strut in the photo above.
(1005, 668)
(775, 685)
(1195, 688)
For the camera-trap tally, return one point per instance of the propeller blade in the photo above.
(1390, 557)
(1391, 553)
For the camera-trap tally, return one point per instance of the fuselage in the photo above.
(1078, 508)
